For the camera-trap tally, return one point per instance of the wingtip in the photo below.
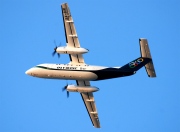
(63, 4)
(140, 39)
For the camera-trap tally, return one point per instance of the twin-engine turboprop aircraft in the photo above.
(78, 70)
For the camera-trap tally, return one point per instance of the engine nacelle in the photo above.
(70, 50)
(81, 89)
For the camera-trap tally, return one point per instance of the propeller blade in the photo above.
(64, 88)
(67, 94)
(55, 42)
(54, 52)
(58, 55)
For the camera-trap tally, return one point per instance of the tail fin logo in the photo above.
(136, 62)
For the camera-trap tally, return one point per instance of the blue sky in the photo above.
(110, 30)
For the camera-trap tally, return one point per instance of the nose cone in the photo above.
(30, 72)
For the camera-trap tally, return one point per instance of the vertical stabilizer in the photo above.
(145, 52)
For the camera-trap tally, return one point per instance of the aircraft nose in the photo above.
(29, 72)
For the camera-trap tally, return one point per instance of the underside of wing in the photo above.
(72, 41)
(89, 102)
(70, 33)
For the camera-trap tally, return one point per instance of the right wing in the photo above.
(89, 102)
(70, 33)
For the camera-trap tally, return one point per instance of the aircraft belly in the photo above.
(70, 75)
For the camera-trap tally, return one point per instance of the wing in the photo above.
(89, 102)
(72, 41)
(70, 33)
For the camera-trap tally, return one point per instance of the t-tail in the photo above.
(145, 60)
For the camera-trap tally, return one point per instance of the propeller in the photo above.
(65, 88)
(54, 52)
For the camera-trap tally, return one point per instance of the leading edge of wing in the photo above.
(89, 103)
(64, 4)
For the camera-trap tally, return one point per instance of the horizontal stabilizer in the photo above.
(145, 52)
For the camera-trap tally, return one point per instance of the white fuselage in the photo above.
(65, 71)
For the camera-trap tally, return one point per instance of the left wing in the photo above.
(89, 102)
(70, 33)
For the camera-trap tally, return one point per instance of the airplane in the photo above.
(83, 73)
